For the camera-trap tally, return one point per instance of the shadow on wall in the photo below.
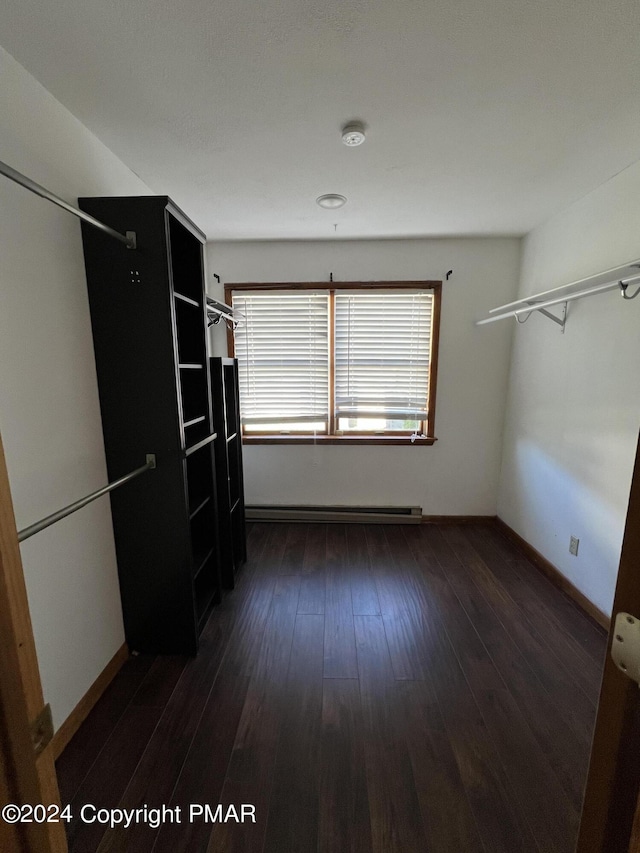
(556, 501)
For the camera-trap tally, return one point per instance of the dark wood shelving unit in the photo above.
(229, 471)
(149, 327)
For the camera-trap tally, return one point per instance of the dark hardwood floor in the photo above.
(397, 689)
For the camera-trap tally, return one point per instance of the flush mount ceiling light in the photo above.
(353, 134)
(331, 201)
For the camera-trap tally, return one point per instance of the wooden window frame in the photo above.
(389, 438)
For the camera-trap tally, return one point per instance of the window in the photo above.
(339, 363)
(283, 361)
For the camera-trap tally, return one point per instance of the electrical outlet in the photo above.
(573, 546)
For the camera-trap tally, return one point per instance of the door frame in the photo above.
(27, 774)
(613, 781)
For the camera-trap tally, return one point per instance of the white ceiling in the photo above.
(483, 116)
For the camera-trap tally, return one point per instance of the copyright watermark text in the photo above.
(153, 817)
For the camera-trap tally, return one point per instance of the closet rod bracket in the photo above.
(561, 320)
(623, 290)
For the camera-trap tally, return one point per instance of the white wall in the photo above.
(574, 400)
(458, 475)
(49, 410)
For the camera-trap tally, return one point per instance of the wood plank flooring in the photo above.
(368, 689)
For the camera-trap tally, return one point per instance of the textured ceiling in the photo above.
(483, 116)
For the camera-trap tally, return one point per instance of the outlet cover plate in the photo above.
(573, 546)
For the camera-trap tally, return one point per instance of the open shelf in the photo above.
(195, 447)
(195, 430)
(200, 506)
(186, 262)
(194, 382)
(193, 394)
(202, 518)
(191, 334)
(194, 421)
(200, 560)
(229, 479)
(186, 299)
(206, 595)
(199, 478)
(231, 410)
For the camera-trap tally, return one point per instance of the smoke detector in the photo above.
(331, 201)
(353, 134)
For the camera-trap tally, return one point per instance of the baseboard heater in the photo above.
(342, 514)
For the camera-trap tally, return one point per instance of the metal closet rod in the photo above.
(129, 239)
(540, 306)
(217, 311)
(74, 507)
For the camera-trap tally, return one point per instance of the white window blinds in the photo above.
(283, 357)
(382, 353)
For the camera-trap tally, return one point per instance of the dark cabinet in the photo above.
(149, 330)
(229, 474)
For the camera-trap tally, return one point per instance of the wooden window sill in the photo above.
(339, 439)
